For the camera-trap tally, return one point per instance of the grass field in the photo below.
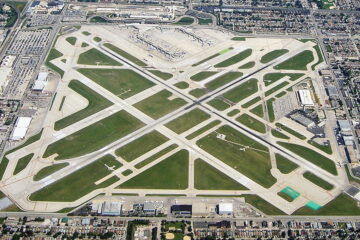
(22, 163)
(78, 183)
(252, 123)
(278, 134)
(95, 57)
(270, 78)
(142, 145)
(285, 196)
(218, 104)
(247, 65)
(318, 181)
(124, 54)
(203, 129)
(242, 91)
(234, 59)
(163, 75)
(97, 39)
(187, 121)
(350, 177)
(242, 161)
(262, 205)
(181, 85)
(198, 92)
(84, 44)
(289, 130)
(320, 55)
(3, 165)
(96, 103)
(251, 102)
(270, 108)
(325, 148)
(280, 94)
(98, 19)
(71, 40)
(222, 80)
(127, 172)
(53, 54)
(209, 178)
(268, 57)
(297, 62)
(156, 156)
(258, 110)
(95, 136)
(343, 205)
(122, 82)
(233, 112)
(171, 173)
(86, 33)
(159, 104)
(46, 171)
(276, 88)
(312, 156)
(238, 38)
(205, 21)
(202, 75)
(284, 165)
(185, 21)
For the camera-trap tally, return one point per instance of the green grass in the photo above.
(280, 94)
(270, 78)
(350, 177)
(163, 75)
(258, 110)
(3, 165)
(202, 75)
(297, 62)
(140, 146)
(124, 54)
(84, 44)
(96, 103)
(233, 112)
(181, 85)
(206, 59)
(127, 172)
(247, 65)
(187, 121)
(171, 173)
(243, 161)
(71, 40)
(318, 181)
(289, 130)
(251, 102)
(97, 39)
(46, 171)
(53, 54)
(238, 38)
(284, 165)
(312, 156)
(278, 134)
(276, 88)
(159, 105)
(252, 123)
(185, 21)
(22, 163)
(203, 129)
(95, 57)
(343, 205)
(222, 80)
(156, 156)
(242, 91)
(218, 104)
(270, 108)
(205, 21)
(86, 33)
(262, 205)
(198, 92)
(285, 196)
(320, 55)
(268, 57)
(95, 136)
(122, 82)
(234, 59)
(325, 148)
(78, 183)
(209, 178)
(98, 19)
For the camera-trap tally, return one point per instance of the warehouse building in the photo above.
(40, 82)
(225, 208)
(21, 126)
(305, 98)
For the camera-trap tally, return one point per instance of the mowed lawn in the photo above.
(252, 123)
(122, 82)
(242, 91)
(297, 62)
(268, 57)
(171, 173)
(210, 178)
(22, 163)
(202, 75)
(187, 120)
(253, 162)
(318, 181)
(78, 183)
(270, 78)
(95, 57)
(222, 80)
(262, 205)
(159, 104)
(284, 165)
(124, 54)
(163, 75)
(234, 59)
(95, 136)
(141, 145)
(46, 171)
(96, 103)
(312, 156)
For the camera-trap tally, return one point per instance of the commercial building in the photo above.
(225, 208)
(20, 129)
(149, 208)
(182, 210)
(305, 98)
(111, 208)
(40, 82)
